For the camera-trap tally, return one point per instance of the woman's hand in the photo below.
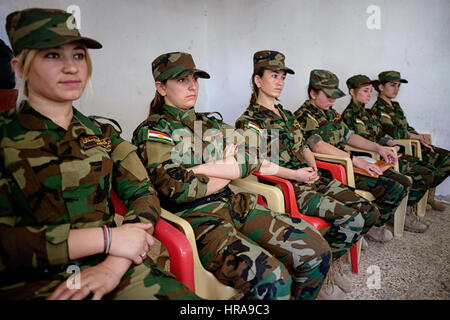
(424, 141)
(98, 280)
(131, 241)
(306, 175)
(229, 152)
(367, 166)
(387, 155)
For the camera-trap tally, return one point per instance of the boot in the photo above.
(329, 290)
(380, 234)
(412, 222)
(435, 204)
(340, 278)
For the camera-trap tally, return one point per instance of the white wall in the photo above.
(223, 35)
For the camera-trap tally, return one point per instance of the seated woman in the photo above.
(266, 255)
(364, 123)
(326, 133)
(394, 123)
(56, 173)
(350, 215)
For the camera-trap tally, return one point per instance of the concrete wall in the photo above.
(223, 35)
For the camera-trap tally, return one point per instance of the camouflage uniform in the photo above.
(350, 215)
(247, 246)
(53, 180)
(390, 188)
(393, 123)
(364, 123)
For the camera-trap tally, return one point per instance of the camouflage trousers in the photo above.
(440, 162)
(349, 214)
(266, 255)
(422, 175)
(388, 190)
(146, 281)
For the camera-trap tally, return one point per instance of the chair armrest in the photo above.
(408, 144)
(428, 136)
(291, 201)
(180, 252)
(345, 161)
(337, 171)
(372, 154)
(273, 195)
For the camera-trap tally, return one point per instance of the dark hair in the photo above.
(157, 102)
(382, 83)
(313, 89)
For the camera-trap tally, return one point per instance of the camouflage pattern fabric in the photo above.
(53, 180)
(38, 28)
(326, 81)
(393, 122)
(175, 65)
(365, 124)
(265, 254)
(350, 215)
(391, 76)
(328, 126)
(358, 81)
(270, 59)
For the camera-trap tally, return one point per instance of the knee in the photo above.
(371, 215)
(272, 280)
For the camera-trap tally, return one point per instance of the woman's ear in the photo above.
(352, 92)
(257, 79)
(161, 88)
(312, 94)
(17, 67)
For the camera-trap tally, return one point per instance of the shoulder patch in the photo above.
(254, 127)
(384, 114)
(358, 120)
(159, 137)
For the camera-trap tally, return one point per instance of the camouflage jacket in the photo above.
(174, 141)
(53, 180)
(262, 121)
(364, 123)
(392, 119)
(321, 125)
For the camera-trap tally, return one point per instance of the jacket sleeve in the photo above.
(170, 177)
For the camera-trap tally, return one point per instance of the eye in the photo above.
(52, 55)
(180, 80)
(79, 56)
(195, 78)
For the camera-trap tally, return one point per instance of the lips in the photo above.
(71, 83)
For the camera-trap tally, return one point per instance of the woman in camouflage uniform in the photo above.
(350, 215)
(266, 255)
(326, 133)
(364, 123)
(56, 174)
(393, 123)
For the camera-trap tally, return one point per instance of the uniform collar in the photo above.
(31, 119)
(179, 114)
(264, 112)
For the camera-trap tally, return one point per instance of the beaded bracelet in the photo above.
(106, 239)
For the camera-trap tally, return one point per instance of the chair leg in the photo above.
(399, 218)
(355, 252)
(422, 205)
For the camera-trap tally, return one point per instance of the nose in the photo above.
(193, 84)
(69, 65)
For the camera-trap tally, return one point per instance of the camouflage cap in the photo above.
(359, 81)
(39, 28)
(175, 65)
(391, 76)
(326, 81)
(269, 59)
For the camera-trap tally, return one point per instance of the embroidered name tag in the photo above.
(94, 141)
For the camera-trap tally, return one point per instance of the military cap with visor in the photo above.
(175, 65)
(390, 76)
(359, 81)
(39, 28)
(270, 59)
(326, 81)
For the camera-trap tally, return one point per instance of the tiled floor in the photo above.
(416, 266)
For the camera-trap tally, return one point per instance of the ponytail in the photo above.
(255, 89)
(157, 103)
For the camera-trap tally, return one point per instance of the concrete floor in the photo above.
(416, 266)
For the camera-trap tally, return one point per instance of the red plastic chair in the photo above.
(338, 173)
(178, 246)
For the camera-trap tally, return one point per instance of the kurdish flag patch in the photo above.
(358, 120)
(159, 136)
(254, 127)
(384, 114)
